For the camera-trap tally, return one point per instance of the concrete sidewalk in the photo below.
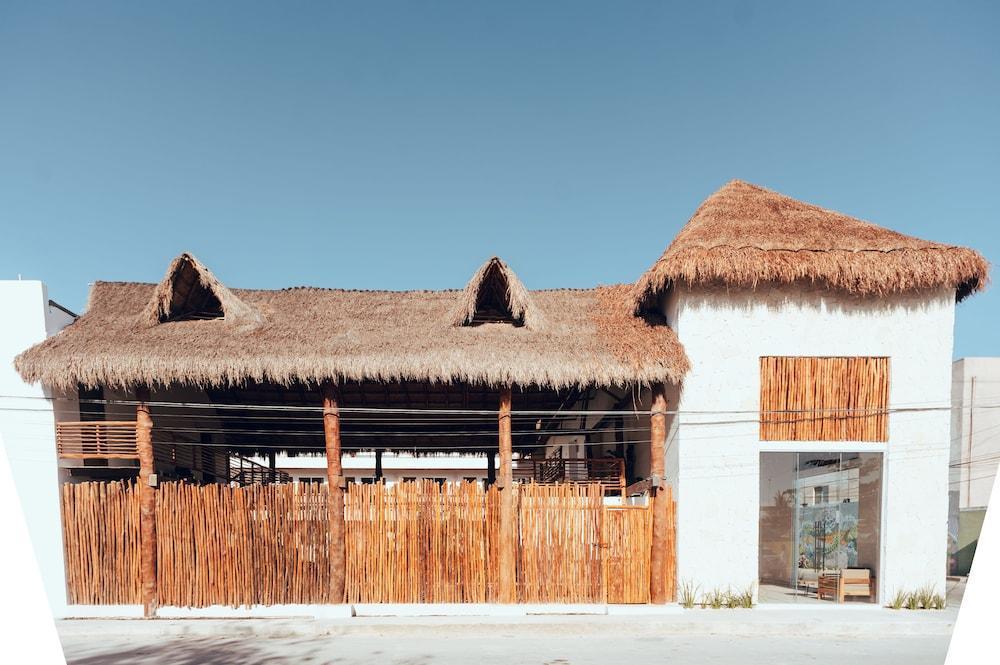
(840, 623)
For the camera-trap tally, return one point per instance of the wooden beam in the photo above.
(335, 483)
(661, 506)
(147, 503)
(508, 516)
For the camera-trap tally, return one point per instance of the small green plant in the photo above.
(689, 594)
(715, 599)
(924, 598)
(742, 598)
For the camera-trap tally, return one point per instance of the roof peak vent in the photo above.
(496, 295)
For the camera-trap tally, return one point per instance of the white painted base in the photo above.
(473, 609)
(257, 612)
(101, 612)
(416, 610)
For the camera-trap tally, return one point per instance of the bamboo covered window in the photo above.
(824, 399)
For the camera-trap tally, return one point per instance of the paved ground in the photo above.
(447, 649)
(743, 637)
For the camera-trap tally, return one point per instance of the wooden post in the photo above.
(335, 483)
(508, 517)
(660, 500)
(147, 503)
(378, 465)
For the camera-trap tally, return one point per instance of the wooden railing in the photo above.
(608, 473)
(107, 439)
(243, 472)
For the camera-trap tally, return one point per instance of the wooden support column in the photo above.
(508, 515)
(659, 497)
(147, 503)
(378, 465)
(335, 484)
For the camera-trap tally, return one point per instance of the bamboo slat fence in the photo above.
(261, 544)
(824, 399)
(417, 542)
(101, 543)
(413, 542)
(561, 559)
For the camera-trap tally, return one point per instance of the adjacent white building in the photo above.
(975, 452)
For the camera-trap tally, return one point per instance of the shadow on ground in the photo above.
(204, 651)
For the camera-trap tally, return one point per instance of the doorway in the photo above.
(820, 527)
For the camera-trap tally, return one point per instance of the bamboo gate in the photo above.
(413, 542)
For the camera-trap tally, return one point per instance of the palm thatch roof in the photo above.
(191, 329)
(744, 235)
(496, 293)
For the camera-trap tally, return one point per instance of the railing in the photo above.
(608, 473)
(107, 439)
(247, 472)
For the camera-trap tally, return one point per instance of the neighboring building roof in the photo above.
(192, 329)
(744, 235)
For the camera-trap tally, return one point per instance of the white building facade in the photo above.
(715, 442)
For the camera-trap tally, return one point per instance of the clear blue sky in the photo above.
(398, 145)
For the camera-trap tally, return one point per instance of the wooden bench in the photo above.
(848, 582)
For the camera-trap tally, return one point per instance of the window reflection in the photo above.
(819, 526)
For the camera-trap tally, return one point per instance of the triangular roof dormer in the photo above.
(496, 295)
(190, 292)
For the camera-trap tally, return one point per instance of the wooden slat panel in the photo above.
(107, 439)
(261, 544)
(101, 543)
(824, 399)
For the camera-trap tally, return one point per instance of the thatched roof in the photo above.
(570, 338)
(496, 293)
(190, 290)
(744, 235)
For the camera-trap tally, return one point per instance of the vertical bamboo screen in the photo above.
(420, 542)
(416, 542)
(561, 558)
(412, 542)
(824, 399)
(101, 543)
(260, 544)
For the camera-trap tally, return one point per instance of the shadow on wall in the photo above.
(970, 523)
(779, 297)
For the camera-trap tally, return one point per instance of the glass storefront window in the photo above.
(820, 519)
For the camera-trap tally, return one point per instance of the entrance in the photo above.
(820, 523)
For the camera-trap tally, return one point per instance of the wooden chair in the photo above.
(856, 582)
(848, 582)
(829, 586)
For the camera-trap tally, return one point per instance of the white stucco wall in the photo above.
(717, 453)
(27, 427)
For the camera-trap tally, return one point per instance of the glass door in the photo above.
(820, 517)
